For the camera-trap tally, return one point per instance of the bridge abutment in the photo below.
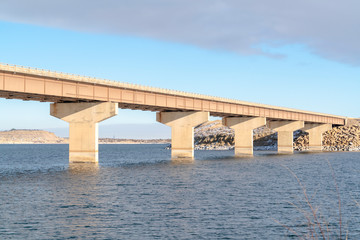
(83, 119)
(182, 131)
(285, 130)
(316, 131)
(243, 127)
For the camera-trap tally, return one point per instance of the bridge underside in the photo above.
(132, 106)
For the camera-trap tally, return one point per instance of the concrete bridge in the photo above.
(83, 102)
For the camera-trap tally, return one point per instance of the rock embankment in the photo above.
(214, 136)
(345, 138)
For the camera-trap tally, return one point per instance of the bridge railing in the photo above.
(75, 77)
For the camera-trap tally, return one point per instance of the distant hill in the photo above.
(29, 136)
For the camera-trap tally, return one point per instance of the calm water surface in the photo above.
(136, 192)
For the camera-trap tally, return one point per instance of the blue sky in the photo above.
(283, 73)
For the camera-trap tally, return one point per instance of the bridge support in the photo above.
(182, 131)
(285, 130)
(316, 131)
(243, 127)
(83, 119)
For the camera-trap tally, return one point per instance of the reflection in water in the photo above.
(83, 168)
(81, 198)
(180, 161)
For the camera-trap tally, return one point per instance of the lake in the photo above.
(137, 192)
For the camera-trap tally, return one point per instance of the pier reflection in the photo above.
(181, 161)
(83, 168)
(81, 199)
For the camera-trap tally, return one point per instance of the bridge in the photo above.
(83, 102)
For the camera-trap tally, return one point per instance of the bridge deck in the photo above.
(48, 86)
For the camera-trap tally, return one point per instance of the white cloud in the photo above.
(328, 28)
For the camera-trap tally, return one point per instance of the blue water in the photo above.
(137, 192)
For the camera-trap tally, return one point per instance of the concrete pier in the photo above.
(182, 131)
(243, 127)
(316, 131)
(285, 130)
(83, 119)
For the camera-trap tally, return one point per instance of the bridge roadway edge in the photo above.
(31, 84)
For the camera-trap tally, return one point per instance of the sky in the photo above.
(302, 54)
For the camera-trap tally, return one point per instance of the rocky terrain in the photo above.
(44, 137)
(213, 135)
(346, 138)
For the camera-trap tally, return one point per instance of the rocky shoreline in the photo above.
(345, 138)
(214, 136)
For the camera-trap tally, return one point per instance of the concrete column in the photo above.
(182, 131)
(243, 127)
(316, 131)
(83, 119)
(285, 130)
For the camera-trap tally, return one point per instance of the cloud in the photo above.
(328, 28)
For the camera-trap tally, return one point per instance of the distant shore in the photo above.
(126, 142)
(16, 136)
